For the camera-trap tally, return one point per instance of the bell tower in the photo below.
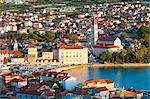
(16, 45)
(94, 30)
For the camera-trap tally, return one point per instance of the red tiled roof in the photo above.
(108, 39)
(6, 74)
(80, 92)
(32, 92)
(35, 87)
(48, 93)
(105, 46)
(10, 52)
(7, 83)
(102, 88)
(18, 80)
(18, 56)
(96, 81)
(34, 80)
(1, 40)
(32, 46)
(71, 47)
(3, 91)
(62, 94)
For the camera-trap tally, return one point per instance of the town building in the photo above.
(47, 55)
(8, 54)
(106, 44)
(97, 83)
(32, 54)
(68, 55)
(18, 60)
(110, 41)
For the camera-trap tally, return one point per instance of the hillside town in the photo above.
(50, 36)
(40, 38)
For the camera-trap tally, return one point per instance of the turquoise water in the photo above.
(137, 78)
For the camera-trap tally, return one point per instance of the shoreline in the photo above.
(103, 66)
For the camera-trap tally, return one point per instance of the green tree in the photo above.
(49, 36)
(144, 35)
(142, 31)
(11, 36)
(102, 57)
(73, 37)
(22, 36)
(118, 59)
(123, 54)
(105, 56)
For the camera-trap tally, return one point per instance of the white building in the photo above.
(47, 55)
(106, 44)
(18, 60)
(110, 41)
(68, 55)
(98, 49)
(69, 83)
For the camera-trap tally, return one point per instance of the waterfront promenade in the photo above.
(60, 68)
(96, 65)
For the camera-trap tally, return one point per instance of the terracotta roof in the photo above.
(62, 94)
(1, 40)
(108, 39)
(32, 46)
(6, 74)
(34, 80)
(45, 51)
(105, 46)
(10, 52)
(4, 91)
(80, 92)
(96, 81)
(35, 87)
(32, 92)
(71, 47)
(102, 88)
(50, 84)
(18, 56)
(18, 80)
(48, 93)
